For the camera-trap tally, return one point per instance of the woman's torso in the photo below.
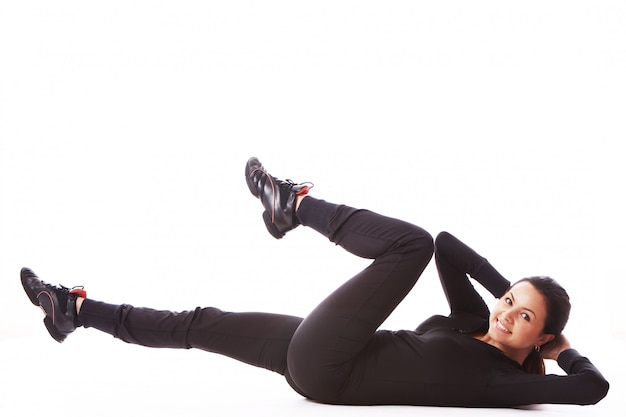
(439, 363)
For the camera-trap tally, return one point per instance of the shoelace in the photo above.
(78, 290)
(289, 184)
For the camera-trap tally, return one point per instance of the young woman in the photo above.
(337, 355)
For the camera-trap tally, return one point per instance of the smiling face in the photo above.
(517, 321)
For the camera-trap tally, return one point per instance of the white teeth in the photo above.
(501, 327)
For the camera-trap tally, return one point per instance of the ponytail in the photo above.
(533, 364)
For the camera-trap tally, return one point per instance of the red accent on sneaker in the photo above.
(304, 191)
(79, 291)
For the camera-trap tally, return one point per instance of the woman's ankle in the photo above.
(79, 304)
(299, 199)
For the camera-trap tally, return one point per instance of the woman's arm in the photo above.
(455, 261)
(573, 363)
(583, 384)
(587, 385)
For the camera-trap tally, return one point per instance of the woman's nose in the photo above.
(507, 315)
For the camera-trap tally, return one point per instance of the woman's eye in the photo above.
(508, 301)
(525, 316)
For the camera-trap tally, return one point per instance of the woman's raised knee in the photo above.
(421, 242)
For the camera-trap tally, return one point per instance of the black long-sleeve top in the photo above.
(441, 363)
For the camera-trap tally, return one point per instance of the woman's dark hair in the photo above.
(558, 307)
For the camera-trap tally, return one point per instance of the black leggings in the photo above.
(317, 354)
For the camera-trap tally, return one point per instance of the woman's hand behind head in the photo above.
(553, 349)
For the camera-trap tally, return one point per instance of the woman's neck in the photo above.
(517, 355)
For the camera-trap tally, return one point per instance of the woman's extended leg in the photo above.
(259, 339)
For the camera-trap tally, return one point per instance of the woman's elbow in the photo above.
(595, 392)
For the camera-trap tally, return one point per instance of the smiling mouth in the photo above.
(500, 327)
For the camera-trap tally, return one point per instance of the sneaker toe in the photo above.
(32, 285)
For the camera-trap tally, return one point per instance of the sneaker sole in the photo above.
(271, 227)
(52, 330)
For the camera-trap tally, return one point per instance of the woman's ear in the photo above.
(545, 338)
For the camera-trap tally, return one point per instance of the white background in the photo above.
(125, 127)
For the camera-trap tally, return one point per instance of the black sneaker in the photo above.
(277, 196)
(57, 303)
